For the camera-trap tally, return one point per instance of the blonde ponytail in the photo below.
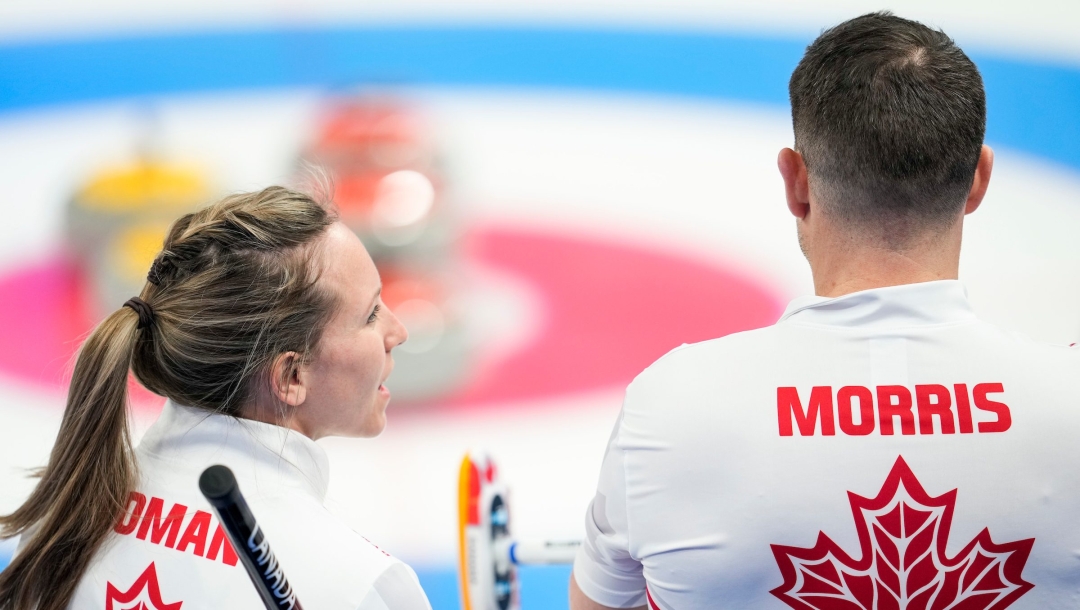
(90, 472)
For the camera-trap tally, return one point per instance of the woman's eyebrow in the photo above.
(375, 298)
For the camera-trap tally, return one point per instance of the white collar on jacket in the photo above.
(266, 459)
(925, 303)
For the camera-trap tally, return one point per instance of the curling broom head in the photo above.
(488, 579)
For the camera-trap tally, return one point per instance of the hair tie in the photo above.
(141, 307)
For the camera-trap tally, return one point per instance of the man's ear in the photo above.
(983, 170)
(288, 383)
(796, 186)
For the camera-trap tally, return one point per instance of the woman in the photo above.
(262, 324)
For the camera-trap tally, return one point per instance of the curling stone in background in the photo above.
(116, 224)
(387, 178)
(390, 189)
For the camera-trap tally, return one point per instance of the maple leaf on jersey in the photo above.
(902, 534)
(144, 594)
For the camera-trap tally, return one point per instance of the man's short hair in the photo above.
(889, 116)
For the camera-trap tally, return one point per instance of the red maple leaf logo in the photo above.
(902, 535)
(143, 595)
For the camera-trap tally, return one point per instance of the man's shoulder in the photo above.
(750, 354)
(1022, 349)
(737, 349)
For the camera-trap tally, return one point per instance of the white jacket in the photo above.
(170, 550)
(883, 449)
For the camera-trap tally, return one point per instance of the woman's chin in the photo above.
(375, 429)
(364, 421)
(374, 423)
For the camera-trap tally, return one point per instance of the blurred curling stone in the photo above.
(116, 224)
(387, 181)
(390, 189)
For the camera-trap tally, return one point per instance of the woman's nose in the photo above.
(397, 334)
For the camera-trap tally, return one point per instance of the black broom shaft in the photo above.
(219, 486)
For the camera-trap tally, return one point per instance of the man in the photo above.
(880, 446)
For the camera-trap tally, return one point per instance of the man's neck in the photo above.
(846, 265)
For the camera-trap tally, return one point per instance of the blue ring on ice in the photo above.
(1032, 104)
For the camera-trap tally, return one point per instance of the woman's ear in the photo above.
(288, 383)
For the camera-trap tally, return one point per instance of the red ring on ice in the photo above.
(610, 308)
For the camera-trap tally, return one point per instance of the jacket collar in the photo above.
(893, 307)
(265, 458)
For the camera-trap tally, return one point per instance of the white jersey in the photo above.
(169, 549)
(884, 449)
